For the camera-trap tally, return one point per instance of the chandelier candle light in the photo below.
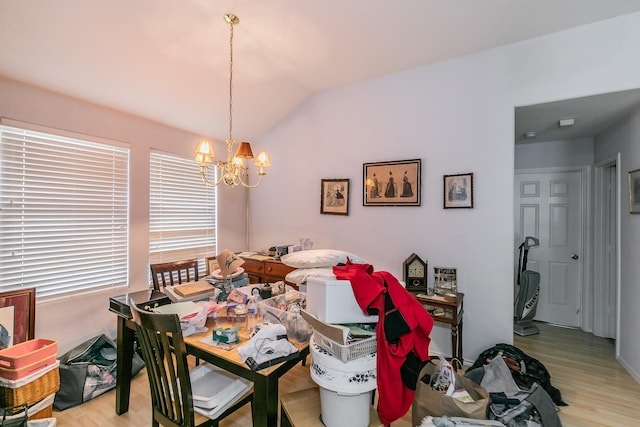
(232, 171)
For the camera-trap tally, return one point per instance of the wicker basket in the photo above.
(41, 410)
(46, 412)
(31, 392)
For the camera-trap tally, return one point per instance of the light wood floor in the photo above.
(597, 388)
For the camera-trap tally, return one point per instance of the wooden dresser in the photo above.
(268, 270)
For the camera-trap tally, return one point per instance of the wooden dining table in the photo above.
(265, 381)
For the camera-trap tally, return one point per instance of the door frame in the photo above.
(586, 172)
(600, 266)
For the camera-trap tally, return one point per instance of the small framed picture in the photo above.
(394, 183)
(334, 196)
(458, 191)
(17, 316)
(211, 264)
(634, 191)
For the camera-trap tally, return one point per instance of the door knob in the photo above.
(574, 256)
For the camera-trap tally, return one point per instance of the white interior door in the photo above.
(548, 206)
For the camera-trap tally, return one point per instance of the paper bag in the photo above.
(428, 401)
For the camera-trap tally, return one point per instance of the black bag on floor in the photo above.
(525, 369)
(89, 370)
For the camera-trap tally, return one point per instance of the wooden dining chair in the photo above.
(165, 357)
(174, 273)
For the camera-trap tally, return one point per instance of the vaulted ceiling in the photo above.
(168, 60)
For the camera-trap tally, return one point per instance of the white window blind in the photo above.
(64, 218)
(182, 211)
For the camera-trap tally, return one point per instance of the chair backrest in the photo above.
(174, 273)
(165, 356)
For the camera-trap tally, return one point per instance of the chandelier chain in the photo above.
(231, 81)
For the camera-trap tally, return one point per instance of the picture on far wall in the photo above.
(334, 196)
(634, 191)
(393, 183)
(211, 264)
(458, 191)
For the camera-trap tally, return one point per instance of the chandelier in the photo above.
(232, 171)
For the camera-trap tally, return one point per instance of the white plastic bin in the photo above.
(346, 389)
(340, 410)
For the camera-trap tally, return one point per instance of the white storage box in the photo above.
(332, 301)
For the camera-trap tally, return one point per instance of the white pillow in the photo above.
(301, 275)
(319, 258)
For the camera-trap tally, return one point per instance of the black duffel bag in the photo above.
(89, 370)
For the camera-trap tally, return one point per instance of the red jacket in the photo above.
(403, 331)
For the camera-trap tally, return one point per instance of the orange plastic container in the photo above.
(16, 374)
(26, 358)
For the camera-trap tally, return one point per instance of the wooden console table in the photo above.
(267, 270)
(448, 311)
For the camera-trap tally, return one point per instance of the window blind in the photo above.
(182, 211)
(64, 213)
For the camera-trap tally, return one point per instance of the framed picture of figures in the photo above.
(394, 183)
(458, 191)
(334, 196)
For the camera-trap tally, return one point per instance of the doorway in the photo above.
(550, 205)
(606, 238)
(544, 140)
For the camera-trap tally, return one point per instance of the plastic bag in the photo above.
(444, 378)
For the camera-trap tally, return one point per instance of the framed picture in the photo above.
(458, 191)
(395, 183)
(334, 196)
(211, 263)
(17, 316)
(634, 191)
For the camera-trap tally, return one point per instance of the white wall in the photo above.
(575, 152)
(457, 116)
(624, 138)
(72, 320)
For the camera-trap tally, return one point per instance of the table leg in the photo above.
(265, 399)
(124, 356)
(454, 341)
(460, 342)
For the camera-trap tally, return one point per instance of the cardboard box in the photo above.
(332, 301)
